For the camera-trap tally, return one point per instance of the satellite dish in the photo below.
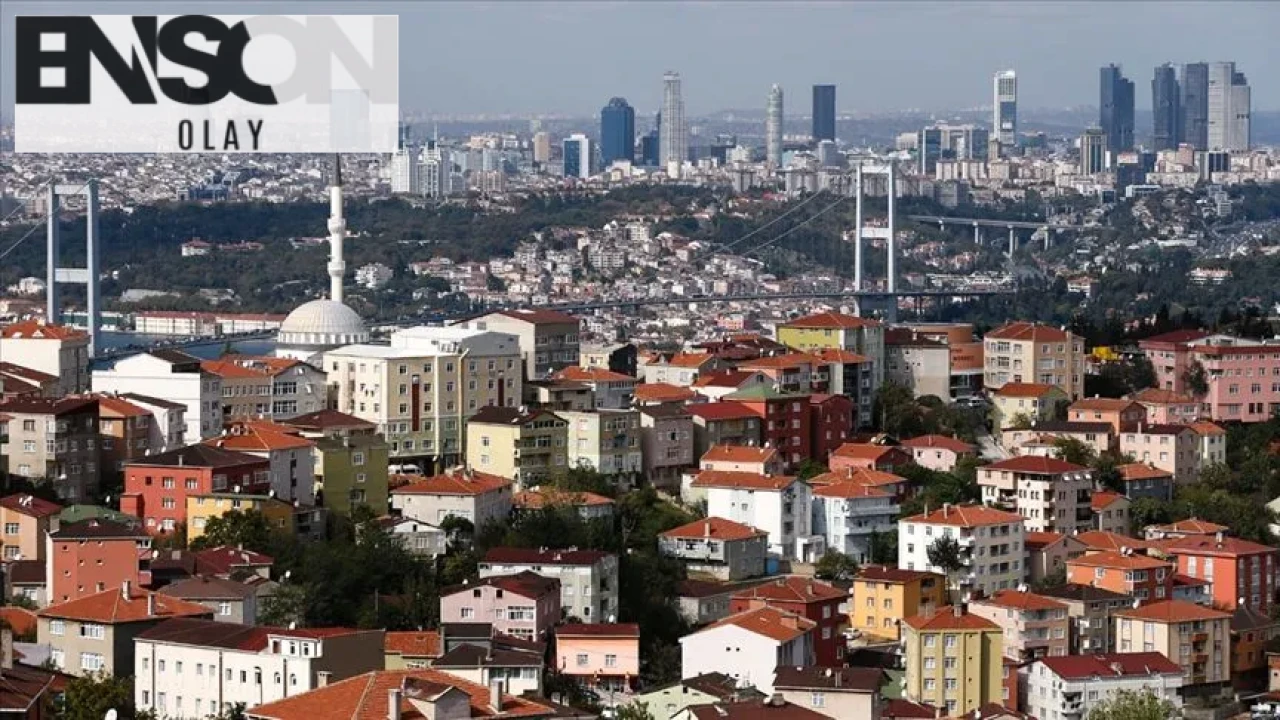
(287, 573)
(112, 714)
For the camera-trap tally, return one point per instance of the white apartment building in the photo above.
(268, 387)
(1064, 688)
(779, 505)
(422, 387)
(52, 349)
(607, 441)
(1051, 494)
(174, 376)
(991, 545)
(588, 578)
(478, 497)
(190, 668)
(847, 514)
(749, 646)
(168, 431)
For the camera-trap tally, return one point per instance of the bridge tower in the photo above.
(887, 171)
(87, 275)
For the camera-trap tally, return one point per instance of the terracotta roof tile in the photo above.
(739, 454)
(539, 498)
(939, 441)
(1035, 464)
(1209, 545)
(248, 366)
(110, 607)
(1115, 560)
(714, 528)
(595, 374)
(792, 588)
(946, 619)
(462, 483)
(413, 643)
(1036, 540)
(1015, 600)
(861, 476)
(1078, 667)
(1025, 390)
(746, 480)
(837, 355)
(1142, 471)
(831, 320)
(662, 392)
(1103, 499)
(1101, 404)
(38, 330)
(888, 573)
(1103, 540)
(723, 410)
(966, 516)
(864, 451)
(770, 622)
(1160, 396)
(1191, 526)
(1206, 428)
(256, 439)
(1171, 611)
(30, 505)
(1025, 331)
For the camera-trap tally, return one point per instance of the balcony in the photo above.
(1199, 637)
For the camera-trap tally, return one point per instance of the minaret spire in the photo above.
(337, 232)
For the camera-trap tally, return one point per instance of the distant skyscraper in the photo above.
(1115, 108)
(1093, 151)
(673, 133)
(577, 156)
(1005, 120)
(1166, 109)
(542, 147)
(1229, 108)
(404, 169)
(950, 142)
(1195, 105)
(824, 112)
(617, 132)
(773, 128)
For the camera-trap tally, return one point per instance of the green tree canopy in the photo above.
(835, 565)
(1131, 705)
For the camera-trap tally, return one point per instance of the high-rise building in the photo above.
(1195, 105)
(950, 142)
(673, 144)
(773, 128)
(542, 147)
(1093, 151)
(617, 132)
(1005, 120)
(577, 156)
(1228, 105)
(1115, 108)
(403, 169)
(1166, 109)
(649, 148)
(824, 112)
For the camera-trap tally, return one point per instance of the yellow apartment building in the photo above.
(1022, 352)
(883, 596)
(520, 444)
(202, 508)
(1192, 636)
(954, 661)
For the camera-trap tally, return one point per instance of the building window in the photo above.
(91, 662)
(57, 627)
(582, 659)
(92, 631)
(610, 661)
(818, 700)
(224, 608)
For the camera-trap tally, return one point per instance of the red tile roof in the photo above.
(723, 378)
(1141, 471)
(1079, 667)
(594, 374)
(955, 445)
(888, 573)
(1036, 465)
(861, 476)
(1105, 540)
(1036, 540)
(966, 516)
(248, 366)
(224, 559)
(714, 528)
(1025, 389)
(848, 490)
(413, 643)
(1209, 545)
(1115, 560)
(30, 505)
(110, 607)
(1025, 331)
(1171, 611)
(789, 360)
(1101, 404)
(864, 451)
(723, 410)
(20, 620)
(1015, 600)
(792, 588)
(1204, 427)
(690, 360)
(38, 330)
(542, 497)
(745, 480)
(946, 619)
(629, 630)
(1191, 526)
(739, 454)
(662, 392)
(1103, 499)
(837, 355)
(364, 697)
(460, 483)
(1176, 337)
(775, 624)
(831, 320)
(1160, 396)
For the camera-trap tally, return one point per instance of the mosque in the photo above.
(320, 325)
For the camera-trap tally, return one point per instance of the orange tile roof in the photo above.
(939, 441)
(739, 454)
(744, 480)
(250, 438)
(413, 643)
(595, 374)
(1025, 331)
(1016, 600)
(1033, 540)
(1231, 547)
(1114, 560)
(364, 697)
(542, 497)
(38, 330)
(723, 378)
(1192, 526)
(459, 483)
(1101, 404)
(770, 622)
(864, 451)
(861, 476)
(831, 320)
(1160, 396)
(662, 392)
(966, 516)
(1204, 427)
(792, 359)
(1141, 471)
(714, 528)
(946, 619)
(117, 406)
(110, 607)
(849, 490)
(1103, 499)
(1172, 611)
(1025, 389)
(1103, 540)
(723, 410)
(248, 366)
(20, 620)
(1036, 464)
(30, 505)
(792, 588)
(690, 360)
(837, 355)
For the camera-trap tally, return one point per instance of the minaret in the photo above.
(337, 231)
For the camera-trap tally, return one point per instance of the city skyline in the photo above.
(945, 71)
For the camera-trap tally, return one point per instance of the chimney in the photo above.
(322, 678)
(393, 704)
(495, 696)
(957, 611)
(788, 621)
(125, 588)
(151, 604)
(706, 528)
(1218, 538)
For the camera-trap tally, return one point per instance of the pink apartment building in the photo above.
(604, 656)
(524, 605)
(1166, 406)
(1242, 375)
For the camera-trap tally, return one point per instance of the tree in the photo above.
(834, 565)
(1130, 705)
(90, 697)
(1075, 451)
(634, 711)
(249, 529)
(1020, 421)
(1196, 379)
(944, 554)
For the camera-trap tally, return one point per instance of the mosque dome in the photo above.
(318, 326)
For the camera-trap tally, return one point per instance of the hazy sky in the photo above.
(571, 57)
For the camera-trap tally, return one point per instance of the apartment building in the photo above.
(588, 578)
(816, 601)
(1146, 480)
(523, 605)
(477, 497)
(610, 390)
(192, 667)
(548, 339)
(1168, 407)
(26, 519)
(851, 375)
(588, 505)
(57, 350)
(1089, 609)
(831, 692)
(848, 515)
(1053, 495)
(351, 471)
(836, 331)
(953, 661)
(1012, 403)
(420, 389)
(126, 430)
(749, 646)
(780, 505)
(742, 458)
(882, 596)
(1213, 443)
(831, 420)
(720, 548)
(1033, 626)
(202, 508)
(168, 427)
(525, 445)
(607, 441)
(938, 452)
(604, 657)
(1141, 577)
(175, 376)
(1067, 687)
(1047, 553)
(991, 545)
(666, 443)
(268, 388)
(290, 457)
(231, 601)
(95, 633)
(91, 556)
(681, 369)
(1239, 572)
(918, 363)
(1022, 352)
(1241, 375)
(869, 456)
(794, 372)
(1175, 448)
(1117, 413)
(723, 423)
(1195, 638)
(1111, 512)
(156, 488)
(55, 441)
(784, 420)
